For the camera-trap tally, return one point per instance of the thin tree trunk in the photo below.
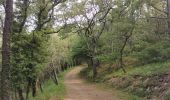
(20, 92)
(95, 64)
(33, 80)
(54, 73)
(15, 94)
(168, 15)
(40, 86)
(55, 77)
(28, 89)
(121, 55)
(123, 47)
(5, 81)
(34, 90)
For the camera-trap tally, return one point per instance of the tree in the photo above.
(5, 74)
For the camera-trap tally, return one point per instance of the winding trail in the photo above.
(79, 90)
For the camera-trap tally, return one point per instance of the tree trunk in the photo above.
(168, 16)
(5, 81)
(121, 56)
(54, 73)
(95, 64)
(40, 86)
(20, 92)
(55, 77)
(34, 90)
(28, 89)
(89, 62)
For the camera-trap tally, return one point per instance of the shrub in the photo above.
(155, 53)
(167, 96)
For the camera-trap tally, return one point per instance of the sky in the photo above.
(30, 21)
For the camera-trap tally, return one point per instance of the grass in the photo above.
(146, 70)
(106, 86)
(123, 95)
(52, 91)
(167, 97)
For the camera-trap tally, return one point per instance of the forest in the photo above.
(85, 49)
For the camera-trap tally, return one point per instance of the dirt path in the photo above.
(78, 90)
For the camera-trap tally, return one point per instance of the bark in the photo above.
(121, 56)
(122, 50)
(5, 80)
(2, 23)
(55, 77)
(94, 53)
(28, 89)
(95, 64)
(127, 37)
(20, 92)
(40, 86)
(34, 90)
(15, 95)
(94, 68)
(54, 73)
(89, 63)
(25, 15)
(168, 15)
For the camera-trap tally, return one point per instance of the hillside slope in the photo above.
(150, 81)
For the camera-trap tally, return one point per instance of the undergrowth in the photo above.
(51, 91)
(148, 70)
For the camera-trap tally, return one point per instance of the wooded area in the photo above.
(125, 41)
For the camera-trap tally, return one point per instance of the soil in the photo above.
(78, 89)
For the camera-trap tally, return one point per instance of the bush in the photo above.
(87, 74)
(155, 53)
(108, 57)
(167, 96)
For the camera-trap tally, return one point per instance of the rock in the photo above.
(148, 90)
(156, 88)
(165, 84)
(145, 83)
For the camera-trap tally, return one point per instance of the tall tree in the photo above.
(5, 81)
(168, 15)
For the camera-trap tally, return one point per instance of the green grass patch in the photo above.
(146, 70)
(122, 94)
(51, 91)
(167, 97)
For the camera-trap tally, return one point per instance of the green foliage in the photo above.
(28, 57)
(51, 91)
(108, 58)
(155, 53)
(139, 92)
(87, 73)
(66, 30)
(146, 70)
(79, 49)
(167, 97)
(129, 23)
(60, 49)
(2, 2)
(103, 83)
